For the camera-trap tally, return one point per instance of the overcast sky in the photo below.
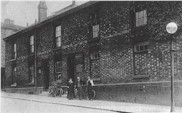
(23, 12)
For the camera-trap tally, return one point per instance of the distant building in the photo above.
(7, 28)
(122, 45)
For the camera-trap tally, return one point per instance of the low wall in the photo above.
(26, 90)
(158, 93)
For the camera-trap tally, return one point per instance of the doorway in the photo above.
(71, 66)
(45, 67)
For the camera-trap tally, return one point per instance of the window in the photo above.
(94, 24)
(13, 75)
(14, 51)
(58, 36)
(94, 55)
(95, 31)
(58, 67)
(141, 47)
(31, 74)
(141, 18)
(32, 44)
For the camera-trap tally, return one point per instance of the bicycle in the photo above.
(85, 93)
(55, 90)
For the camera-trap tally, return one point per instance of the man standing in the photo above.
(79, 85)
(70, 89)
(90, 83)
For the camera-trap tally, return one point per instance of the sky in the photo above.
(24, 11)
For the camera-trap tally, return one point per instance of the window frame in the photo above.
(58, 69)
(141, 18)
(141, 47)
(58, 36)
(94, 54)
(14, 53)
(13, 74)
(94, 22)
(32, 43)
(31, 76)
(95, 31)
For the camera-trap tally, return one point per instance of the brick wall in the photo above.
(118, 36)
(118, 62)
(45, 45)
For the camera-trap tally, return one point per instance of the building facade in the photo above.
(121, 45)
(7, 28)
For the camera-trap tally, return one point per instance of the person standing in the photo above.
(59, 80)
(90, 84)
(79, 86)
(70, 89)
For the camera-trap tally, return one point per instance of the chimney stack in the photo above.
(73, 2)
(42, 11)
(8, 21)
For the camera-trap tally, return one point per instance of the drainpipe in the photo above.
(35, 61)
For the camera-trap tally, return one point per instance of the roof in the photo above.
(65, 9)
(53, 17)
(11, 26)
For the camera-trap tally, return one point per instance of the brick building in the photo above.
(123, 46)
(7, 28)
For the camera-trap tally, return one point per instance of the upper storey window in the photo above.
(141, 18)
(95, 29)
(14, 51)
(94, 24)
(58, 36)
(32, 44)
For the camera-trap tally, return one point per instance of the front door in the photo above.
(71, 65)
(45, 65)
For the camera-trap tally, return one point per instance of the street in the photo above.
(11, 105)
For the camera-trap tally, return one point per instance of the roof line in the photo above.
(52, 18)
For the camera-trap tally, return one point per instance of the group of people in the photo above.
(79, 85)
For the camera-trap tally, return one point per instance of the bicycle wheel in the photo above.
(61, 92)
(93, 93)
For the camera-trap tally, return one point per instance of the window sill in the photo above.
(94, 59)
(140, 26)
(12, 59)
(141, 52)
(30, 84)
(57, 48)
(14, 85)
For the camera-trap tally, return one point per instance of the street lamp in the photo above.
(171, 29)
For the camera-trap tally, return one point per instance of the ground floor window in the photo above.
(58, 66)
(94, 55)
(141, 47)
(95, 64)
(79, 62)
(14, 74)
(31, 74)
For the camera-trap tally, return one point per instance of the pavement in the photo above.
(120, 107)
